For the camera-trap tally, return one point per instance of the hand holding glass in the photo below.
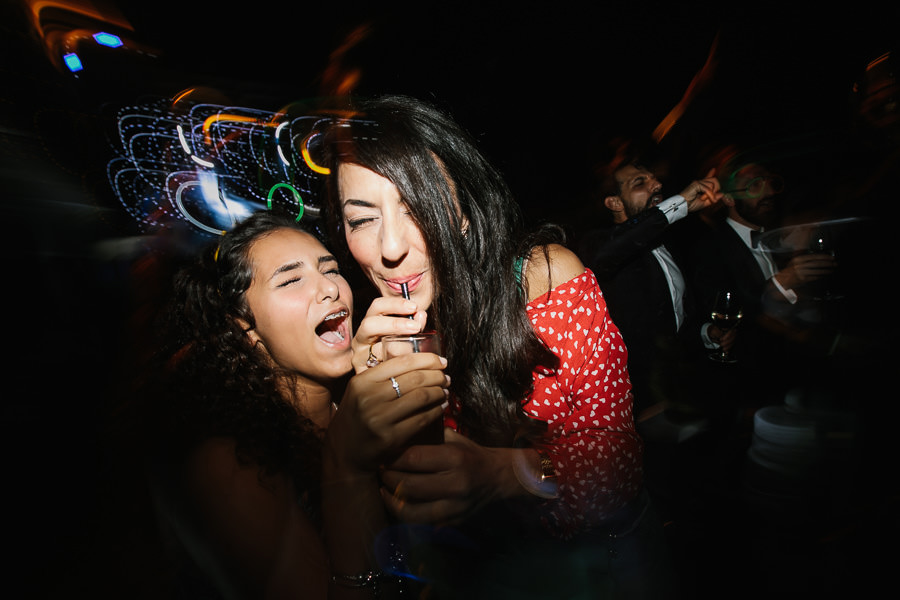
(399, 345)
(821, 288)
(726, 315)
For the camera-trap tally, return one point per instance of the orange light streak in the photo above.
(700, 80)
(182, 95)
(213, 119)
(304, 151)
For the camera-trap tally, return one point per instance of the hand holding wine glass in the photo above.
(821, 279)
(726, 315)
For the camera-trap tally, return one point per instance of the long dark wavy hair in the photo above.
(206, 378)
(479, 304)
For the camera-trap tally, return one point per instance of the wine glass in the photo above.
(821, 242)
(726, 315)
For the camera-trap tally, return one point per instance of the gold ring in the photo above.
(396, 386)
(372, 361)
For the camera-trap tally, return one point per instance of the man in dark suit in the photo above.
(648, 294)
(745, 253)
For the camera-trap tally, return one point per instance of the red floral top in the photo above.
(587, 405)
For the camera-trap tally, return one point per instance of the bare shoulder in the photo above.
(541, 277)
(214, 459)
(212, 473)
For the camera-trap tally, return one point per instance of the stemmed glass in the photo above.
(821, 243)
(726, 315)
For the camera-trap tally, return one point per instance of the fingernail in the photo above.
(443, 361)
(447, 379)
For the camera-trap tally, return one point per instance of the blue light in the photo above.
(107, 39)
(73, 62)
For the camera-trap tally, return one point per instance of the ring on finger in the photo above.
(396, 386)
(372, 361)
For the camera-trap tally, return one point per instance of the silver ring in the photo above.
(372, 361)
(396, 386)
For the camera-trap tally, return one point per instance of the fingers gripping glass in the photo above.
(726, 315)
(756, 186)
(399, 345)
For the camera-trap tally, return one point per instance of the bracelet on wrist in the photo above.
(368, 579)
(542, 483)
(365, 579)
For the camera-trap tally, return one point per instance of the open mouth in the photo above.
(333, 329)
(655, 199)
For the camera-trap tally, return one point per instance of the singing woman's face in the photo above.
(302, 305)
(382, 236)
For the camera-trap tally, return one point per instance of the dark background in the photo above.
(545, 90)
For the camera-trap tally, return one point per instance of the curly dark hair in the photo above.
(480, 305)
(207, 378)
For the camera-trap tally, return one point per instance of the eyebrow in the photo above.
(355, 202)
(298, 264)
(630, 180)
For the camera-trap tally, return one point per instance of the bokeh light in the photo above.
(211, 165)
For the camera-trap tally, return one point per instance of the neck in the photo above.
(314, 400)
(734, 216)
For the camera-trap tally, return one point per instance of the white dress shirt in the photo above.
(763, 258)
(673, 208)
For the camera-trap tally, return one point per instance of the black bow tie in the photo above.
(754, 238)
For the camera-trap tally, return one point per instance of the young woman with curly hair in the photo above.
(263, 453)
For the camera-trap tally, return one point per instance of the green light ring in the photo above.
(294, 191)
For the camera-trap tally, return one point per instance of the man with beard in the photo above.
(751, 195)
(639, 263)
(744, 255)
(648, 295)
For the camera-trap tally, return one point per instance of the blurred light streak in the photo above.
(337, 78)
(211, 165)
(182, 139)
(201, 162)
(296, 194)
(304, 151)
(63, 25)
(73, 62)
(213, 119)
(96, 10)
(231, 210)
(278, 131)
(701, 79)
(108, 39)
(183, 95)
(878, 61)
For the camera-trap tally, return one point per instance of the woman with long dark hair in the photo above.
(539, 424)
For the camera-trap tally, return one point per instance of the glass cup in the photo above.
(399, 345)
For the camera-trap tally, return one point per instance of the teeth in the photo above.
(336, 315)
